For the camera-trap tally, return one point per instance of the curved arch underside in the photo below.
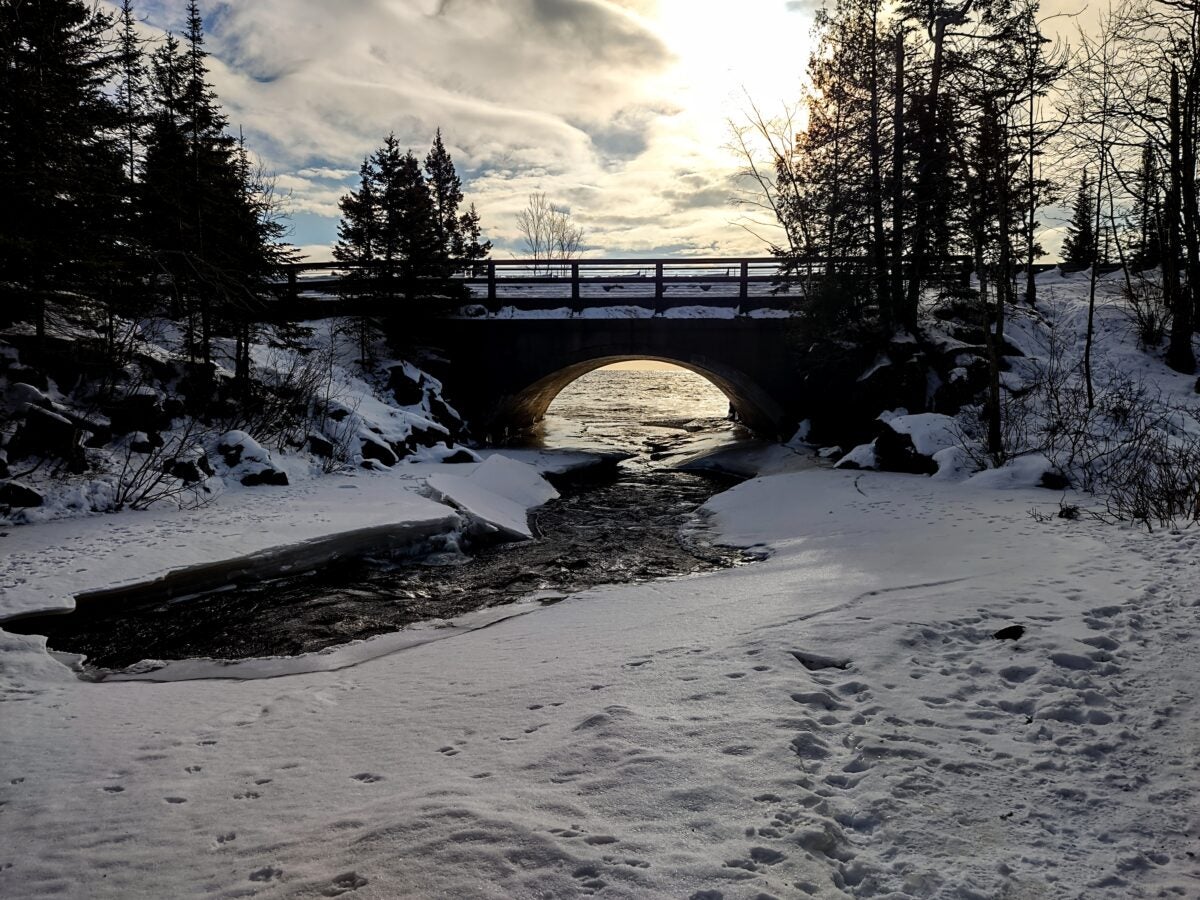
(754, 407)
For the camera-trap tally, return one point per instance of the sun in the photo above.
(726, 52)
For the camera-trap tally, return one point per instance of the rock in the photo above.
(320, 446)
(266, 475)
(204, 465)
(907, 443)
(446, 416)
(188, 471)
(139, 411)
(3, 464)
(861, 457)
(15, 494)
(1010, 633)
(377, 450)
(425, 437)
(146, 442)
(1054, 480)
(896, 453)
(17, 395)
(406, 390)
(45, 433)
(461, 455)
(231, 449)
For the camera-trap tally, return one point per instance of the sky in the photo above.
(617, 110)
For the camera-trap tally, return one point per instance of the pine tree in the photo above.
(1079, 246)
(60, 161)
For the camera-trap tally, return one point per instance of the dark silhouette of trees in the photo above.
(401, 232)
(60, 155)
(1079, 245)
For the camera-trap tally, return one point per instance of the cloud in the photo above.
(574, 98)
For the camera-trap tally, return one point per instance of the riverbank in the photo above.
(45, 567)
(838, 720)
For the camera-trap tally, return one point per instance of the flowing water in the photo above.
(627, 526)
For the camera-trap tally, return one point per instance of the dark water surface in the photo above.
(628, 526)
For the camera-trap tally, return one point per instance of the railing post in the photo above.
(744, 284)
(658, 281)
(293, 290)
(574, 281)
(491, 283)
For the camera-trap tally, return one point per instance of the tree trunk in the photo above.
(878, 237)
(898, 137)
(1180, 356)
(926, 144)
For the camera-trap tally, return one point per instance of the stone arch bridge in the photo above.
(529, 328)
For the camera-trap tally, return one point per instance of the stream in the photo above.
(609, 526)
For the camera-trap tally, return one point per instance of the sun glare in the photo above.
(726, 53)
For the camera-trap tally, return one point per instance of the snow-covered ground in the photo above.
(838, 720)
(854, 716)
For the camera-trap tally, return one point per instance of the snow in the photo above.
(44, 567)
(677, 737)
(930, 432)
(496, 495)
(854, 716)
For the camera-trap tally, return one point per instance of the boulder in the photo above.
(407, 390)
(17, 395)
(861, 457)
(15, 494)
(45, 433)
(908, 443)
(375, 448)
(461, 455)
(321, 446)
(146, 442)
(189, 471)
(446, 416)
(266, 475)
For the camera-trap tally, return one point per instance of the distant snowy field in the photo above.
(836, 721)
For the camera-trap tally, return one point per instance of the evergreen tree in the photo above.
(60, 160)
(1148, 218)
(412, 218)
(358, 245)
(1079, 246)
(445, 190)
(468, 247)
(132, 92)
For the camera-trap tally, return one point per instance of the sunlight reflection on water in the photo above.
(645, 412)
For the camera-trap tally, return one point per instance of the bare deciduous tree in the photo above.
(548, 232)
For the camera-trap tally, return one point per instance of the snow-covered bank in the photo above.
(45, 567)
(836, 721)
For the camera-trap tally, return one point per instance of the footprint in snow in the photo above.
(344, 883)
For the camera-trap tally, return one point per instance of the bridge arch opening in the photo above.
(752, 406)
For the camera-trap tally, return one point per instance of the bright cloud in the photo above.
(617, 109)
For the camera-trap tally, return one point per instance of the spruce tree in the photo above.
(358, 246)
(445, 189)
(1079, 246)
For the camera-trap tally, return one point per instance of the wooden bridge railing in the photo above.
(617, 281)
